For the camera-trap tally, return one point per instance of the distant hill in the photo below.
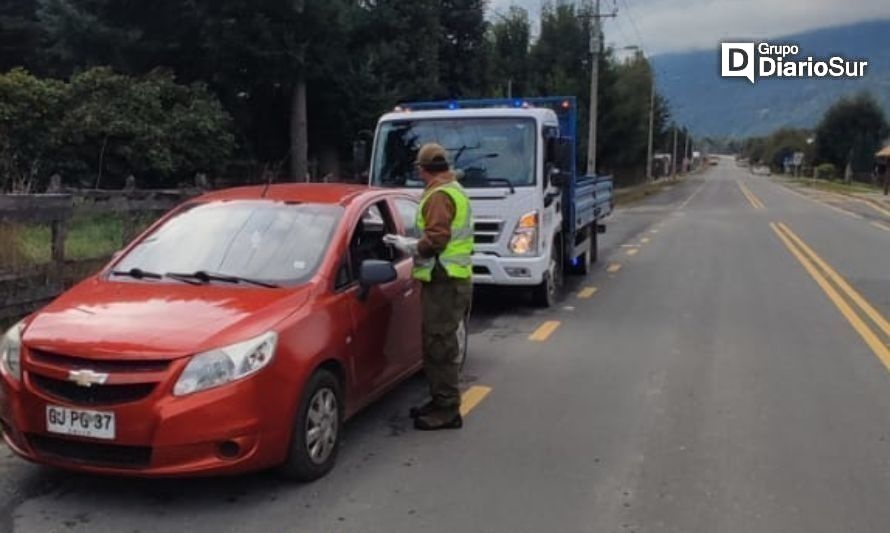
(719, 107)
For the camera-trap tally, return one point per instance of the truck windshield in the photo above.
(486, 151)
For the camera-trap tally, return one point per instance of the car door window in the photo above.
(366, 242)
(408, 213)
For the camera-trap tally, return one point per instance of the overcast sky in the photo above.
(677, 25)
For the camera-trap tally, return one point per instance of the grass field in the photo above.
(834, 186)
(88, 237)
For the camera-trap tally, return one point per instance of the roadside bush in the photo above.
(826, 171)
(100, 127)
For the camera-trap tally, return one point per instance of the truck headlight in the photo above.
(525, 237)
(225, 365)
(11, 352)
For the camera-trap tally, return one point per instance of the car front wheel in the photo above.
(316, 435)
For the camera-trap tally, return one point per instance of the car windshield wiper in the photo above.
(206, 277)
(137, 273)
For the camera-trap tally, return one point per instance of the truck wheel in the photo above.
(545, 294)
(316, 434)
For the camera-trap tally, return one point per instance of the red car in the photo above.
(237, 333)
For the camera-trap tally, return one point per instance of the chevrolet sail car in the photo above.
(238, 333)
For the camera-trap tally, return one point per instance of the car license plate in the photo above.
(80, 422)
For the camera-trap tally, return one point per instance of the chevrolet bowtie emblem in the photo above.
(87, 378)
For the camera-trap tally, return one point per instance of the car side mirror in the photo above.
(374, 272)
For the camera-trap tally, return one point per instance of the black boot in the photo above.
(422, 410)
(435, 422)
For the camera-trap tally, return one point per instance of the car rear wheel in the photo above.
(316, 435)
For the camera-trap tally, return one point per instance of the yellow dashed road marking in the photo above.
(587, 292)
(644, 240)
(543, 333)
(633, 251)
(613, 268)
(472, 397)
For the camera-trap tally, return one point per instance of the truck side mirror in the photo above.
(563, 153)
(558, 177)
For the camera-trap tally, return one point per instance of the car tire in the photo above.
(321, 413)
(546, 293)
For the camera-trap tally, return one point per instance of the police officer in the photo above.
(443, 265)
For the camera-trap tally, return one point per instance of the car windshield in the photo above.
(274, 242)
(486, 151)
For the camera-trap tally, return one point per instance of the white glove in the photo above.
(407, 245)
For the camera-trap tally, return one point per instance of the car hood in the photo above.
(147, 320)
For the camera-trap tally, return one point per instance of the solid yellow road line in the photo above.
(879, 349)
(587, 292)
(645, 240)
(752, 198)
(472, 397)
(880, 226)
(613, 268)
(854, 295)
(543, 333)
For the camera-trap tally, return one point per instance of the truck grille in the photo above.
(91, 453)
(487, 231)
(95, 395)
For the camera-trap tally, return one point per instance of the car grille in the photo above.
(95, 395)
(91, 453)
(98, 365)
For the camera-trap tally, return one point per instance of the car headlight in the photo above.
(525, 237)
(11, 352)
(225, 365)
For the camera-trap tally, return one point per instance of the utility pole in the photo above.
(651, 128)
(595, 39)
(686, 155)
(674, 156)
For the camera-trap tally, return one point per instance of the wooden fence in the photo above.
(26, 287)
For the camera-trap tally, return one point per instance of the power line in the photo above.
(633, 24)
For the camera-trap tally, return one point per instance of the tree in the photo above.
(30, 130)
(462, 58)
(102, 126)
(20, 34)
(511, 39)
(851, 132)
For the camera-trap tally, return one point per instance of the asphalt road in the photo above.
(725, 369)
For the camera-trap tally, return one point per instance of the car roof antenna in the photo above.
(274, 172)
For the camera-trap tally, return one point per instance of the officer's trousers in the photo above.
(446, 302)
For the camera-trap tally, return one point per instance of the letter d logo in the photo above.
(737, 60)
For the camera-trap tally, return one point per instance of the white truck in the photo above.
(534, 217)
